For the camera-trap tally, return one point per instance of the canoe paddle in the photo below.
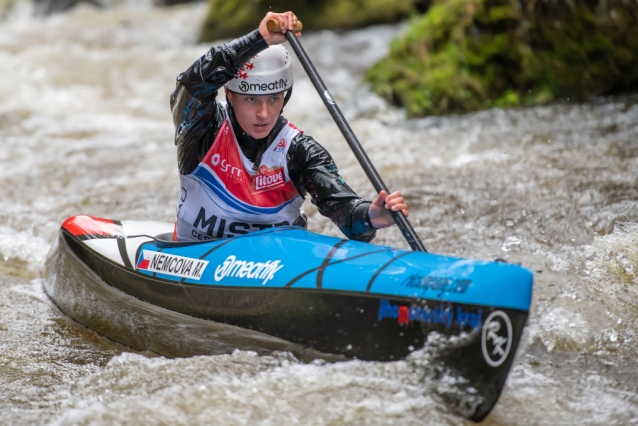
(402, 222)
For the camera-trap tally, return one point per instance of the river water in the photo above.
(85, 127)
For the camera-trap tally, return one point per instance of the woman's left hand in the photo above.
(380, 209)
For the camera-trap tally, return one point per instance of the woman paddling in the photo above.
(243, 166)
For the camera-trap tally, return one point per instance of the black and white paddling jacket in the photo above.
(198, 118)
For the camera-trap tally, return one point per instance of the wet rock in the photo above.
(5, 7)
(234, 18)
(465, 55)
(47, 7)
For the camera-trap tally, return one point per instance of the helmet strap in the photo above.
(228, 101)
(286, 99)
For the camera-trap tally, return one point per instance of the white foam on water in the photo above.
(611, 273)
(243, 388)
(591, 398)
(21, 253)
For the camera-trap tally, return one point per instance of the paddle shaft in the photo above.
(401, 221)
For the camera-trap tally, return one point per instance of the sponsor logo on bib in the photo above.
(169, 264)
(281, 146)
(222, 166)
(267, 179)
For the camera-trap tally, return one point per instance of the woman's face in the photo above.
(257, 114)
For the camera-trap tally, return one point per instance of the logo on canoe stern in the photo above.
(169, 264)
(496, 339)
(440, 315)
(440, 284)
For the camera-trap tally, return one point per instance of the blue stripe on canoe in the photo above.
(355, 264)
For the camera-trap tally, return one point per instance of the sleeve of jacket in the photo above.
(311, 167)
(196, 114)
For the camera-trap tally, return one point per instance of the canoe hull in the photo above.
(476, 342)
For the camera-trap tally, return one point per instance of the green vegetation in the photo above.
(465, 55)
(234, 18)
(173, 2)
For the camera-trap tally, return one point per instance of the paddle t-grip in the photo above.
(273, 26)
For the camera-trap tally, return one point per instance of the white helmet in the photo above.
(267, 72)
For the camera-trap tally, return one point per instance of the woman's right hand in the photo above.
(287, 21)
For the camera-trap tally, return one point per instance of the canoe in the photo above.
(286, 288)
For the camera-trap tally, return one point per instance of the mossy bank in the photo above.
(465, 55)
(233, 18)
